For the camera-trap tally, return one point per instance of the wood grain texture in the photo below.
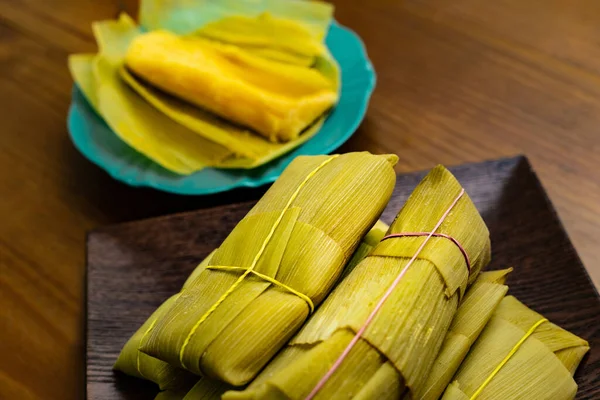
(458, 81)
(134, 267)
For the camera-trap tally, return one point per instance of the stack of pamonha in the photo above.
(310, 297)
(212, 84)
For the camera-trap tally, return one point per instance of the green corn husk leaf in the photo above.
(185, 16)
(133, 362)
(370, 240)
(473, 314)
(204, 389)
(334, 208)
(207, 389)
(279, 39)
(198, 270)
(399, 347)
(173, 394)
(535, 370)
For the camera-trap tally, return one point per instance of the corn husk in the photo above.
(398, 348)
(277, 101)
(274, 38)
(338, 200)
(135, 363)
(185, 16)
(473, 314)
(366, 246)
(541, 368)
(207, 389)
(204, 389)
(173, 394)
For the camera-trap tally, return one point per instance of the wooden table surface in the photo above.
(458, 81)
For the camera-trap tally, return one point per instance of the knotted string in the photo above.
(267, 278)
(254, 263)
(508, 357)
(434, 234)
(379, 305)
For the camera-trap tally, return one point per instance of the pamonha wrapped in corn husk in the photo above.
(399, 347)
(472, 315)
(296, 241)
(520, 355)
(184, 138)
(206, 389)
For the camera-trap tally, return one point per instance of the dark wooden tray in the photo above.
(133, 267)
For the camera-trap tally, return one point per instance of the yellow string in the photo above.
(140, 346)
(254, 262)
(508, 356)
(267, 278)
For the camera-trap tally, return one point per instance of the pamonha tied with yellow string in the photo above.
(519, 355)
(175, 382)
(278, 263)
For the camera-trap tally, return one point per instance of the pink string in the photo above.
(443, 235)
(387, 294)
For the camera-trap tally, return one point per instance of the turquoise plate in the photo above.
(95, 140)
